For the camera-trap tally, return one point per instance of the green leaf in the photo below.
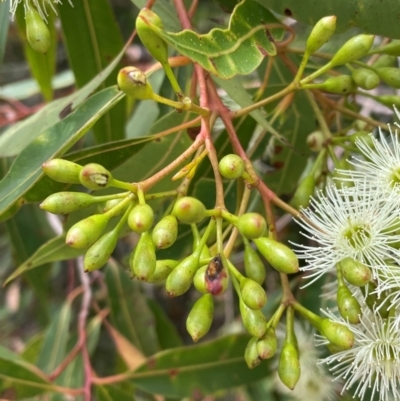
(55, 340)
(229, 52)
(194, 371)
(112, 393)
(18, 136)
(130, 314)
(54, 142)
(369, 15)
(93, 38)
(52, 251)
(4, 22)
(25, 378)
(42, 66)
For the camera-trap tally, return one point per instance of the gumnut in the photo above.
(99, 253)
(144, 260)
(253, 320)
(165, 232)
(315, 141)
(189, 210)
(356, 273)
(156, 46)
(321, 33)
(349, 307)
(141, 218)
(162, 271)
(250, 353)
(253, 295)
(304, 192)
(133, 82)
(67, 202)
(199, 280)
(200, 317)
(390, 76)
(365, 78)
(385, 61)
(355, 48)
(86, 232)
(253, 265)
(289, 365)
(251, 225)
(180, 279)
(278, 255)
(337, 334)
(94, 176)
(231, 166)
(216, 276)
(37, 32)
(62, 171)
(267, 344)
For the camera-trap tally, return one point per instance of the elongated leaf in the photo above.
(54, 142)
(18, 136)
(20, 375)
(55, 340)
(130, 314)
(369, 15)
(52, 251)
(42, 66)
(229, 52)
(112, 393)
(93, 38)
(198, 370)
(4, 21)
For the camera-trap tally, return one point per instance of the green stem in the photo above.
(321, 120)
(302, 67)
(132, 187)
(314, 319)
(161, 195)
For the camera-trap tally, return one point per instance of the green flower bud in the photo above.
(315, 141)
(37, 33)
(349, 307)
(67, 202)
(231, 166)
(250, 353)
(144, 260)
(180, 279)
(355, 48)
(156, 46)
(392, 49)
(87, 231)
(390, 76)
(253, 295)
(339, 179)
(253, 265)
(134, 83)
(253, 320)
(99, 253)
(94, 176)
(385, 61)
(389, 100)
(321, 33)
(189, 210)
(289, 365)
(165, 232)
(341, 85)
(141, 218)
(364, 78)
(267, 345)
(279, 256)
(216, 276)
(356, 273)
(62, 171)
(162, 271)
(364, 135)
(251, 225)
(200, 317)
(304, 192)
(376, 303)
(337, 334)
(199, 280)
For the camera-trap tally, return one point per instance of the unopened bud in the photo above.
(231, 166)
(251, 225)
(341, 85)
(67, 202)
(390, 76)
(141, 218)
(349, 307)
(99, 253)
(337, 334)
(267, 345)
(253, 295)
(162, 271)
(199, 280)
(250, 353)
(321, 33)
(355, 48)
(94, 176)
(62, 171)
(315, 141)
(392, 49)
(253, 265)
(365, 78)
(189, 210)
(134, 83)
(200, 317)
(289, 365)
(253, 320)
(356, 273)
(165, 232)
(37, 32)
(144, 260)
(385, 61)
(304, 192)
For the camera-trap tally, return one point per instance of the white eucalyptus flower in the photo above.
(374, 360)
(40, 5)
(349, 224)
